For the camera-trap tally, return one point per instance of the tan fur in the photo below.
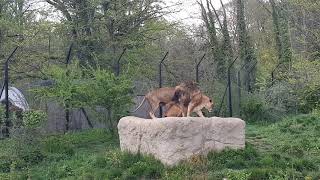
(180, 95)
(159, 96)
(187, 94)
(205, 102)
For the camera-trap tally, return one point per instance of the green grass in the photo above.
(289, 149)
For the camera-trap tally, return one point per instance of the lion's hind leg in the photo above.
(153, 107)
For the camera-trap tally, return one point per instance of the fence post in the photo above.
(6, 90)
(224, 95)
(239, 92)
(67, 112)
(118, 62)
(248, 74)
(160, 78)
(229, 87)
(68, 58)
(197, 68)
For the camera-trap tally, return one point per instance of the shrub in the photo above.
(2, 114)
(26, 146)
(56, 145)
(309, 98)
(35, 118)
(238, 175)
(77, 87)
(5, 163)
(282, 95)
(304, 78)
(254, 109)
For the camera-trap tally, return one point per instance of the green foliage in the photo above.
(310, 98)
(2, 115)
(246, 49)
(256, 109)
(238, 175)
(32, 119)
(26, 150)
(109, 91)
(304, 81)
(287, 149)
(78, 87)
(67, 88)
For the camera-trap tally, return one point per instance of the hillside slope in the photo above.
(289, 149)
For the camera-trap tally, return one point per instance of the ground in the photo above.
(288, 149)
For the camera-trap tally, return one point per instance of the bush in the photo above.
(55, 145)
(238, 175)
(32, 119)
(309, 98)
(2, 114)
(88, 88)
(26, 146)
(304, 78)
(254, 109)
(26, 149)
(5, 163)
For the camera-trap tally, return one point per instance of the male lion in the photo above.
(187, 95)
(168, 96)
(205, 102)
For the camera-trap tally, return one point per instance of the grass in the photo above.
(288, 149)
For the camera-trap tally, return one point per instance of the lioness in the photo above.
(205, 102)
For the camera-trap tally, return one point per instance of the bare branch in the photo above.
(215, 12)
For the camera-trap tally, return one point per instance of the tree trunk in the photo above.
(246, 50)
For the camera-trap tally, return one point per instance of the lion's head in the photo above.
(185, 91)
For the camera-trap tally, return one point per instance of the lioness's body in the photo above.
(205, 102)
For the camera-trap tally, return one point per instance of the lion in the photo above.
(187, 95)
(168, 96)
(205, 102)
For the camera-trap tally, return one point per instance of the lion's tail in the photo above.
(144, 99)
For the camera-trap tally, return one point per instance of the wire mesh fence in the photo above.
(43, 50)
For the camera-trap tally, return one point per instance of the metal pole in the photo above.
(229, 93)
(67, 112)
(6, 89)
(272, 78)
(49, 48)
(68, 58)
(160, 78)
(248, 75)
(197, 68)
(224, 95)
(229, 87)
(118, 62)
(239, 92)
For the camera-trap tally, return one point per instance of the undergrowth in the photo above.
(288, 149)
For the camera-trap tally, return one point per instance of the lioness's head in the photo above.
(208, 103)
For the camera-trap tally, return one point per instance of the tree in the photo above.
(226, 47)
(103, 28)
(281, 29)
(246, 50)
(76, 87)
(210, 24)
